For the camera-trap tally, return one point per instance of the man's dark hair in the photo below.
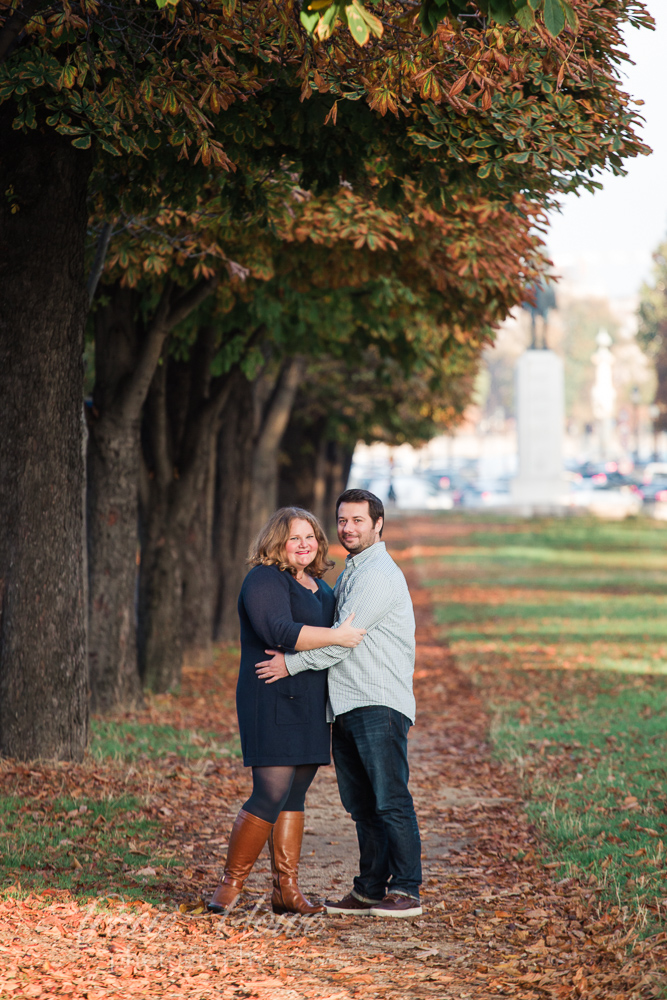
(375, 506)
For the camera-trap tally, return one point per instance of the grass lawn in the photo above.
(563, 625)
(115, 825)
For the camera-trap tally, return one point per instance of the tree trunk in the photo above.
(127, 352)
(43, 669)
(113, 473)
(160, 591)
(302, 474)
(339, 463)
(182, 418)
(273, 422)
(198, 570)
(233, 489)
(159, 621)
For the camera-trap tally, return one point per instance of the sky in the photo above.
(603, 242)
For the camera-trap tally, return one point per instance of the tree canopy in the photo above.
(354, 191)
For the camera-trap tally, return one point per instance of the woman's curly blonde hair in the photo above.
(268, 549)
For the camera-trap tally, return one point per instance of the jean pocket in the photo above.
(292, 710)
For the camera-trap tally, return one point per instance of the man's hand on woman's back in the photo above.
(272, 670)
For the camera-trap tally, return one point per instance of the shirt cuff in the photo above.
(294, 664)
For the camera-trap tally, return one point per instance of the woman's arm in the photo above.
(265, 597)
(312, 637)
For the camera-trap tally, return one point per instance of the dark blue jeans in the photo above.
(370, 751)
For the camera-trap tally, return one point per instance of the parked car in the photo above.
(450, 482)
(655, 491)
(486, 493)
(406, 492)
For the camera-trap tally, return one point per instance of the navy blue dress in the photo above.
(284, 722)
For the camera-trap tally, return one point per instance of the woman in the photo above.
(284, 604)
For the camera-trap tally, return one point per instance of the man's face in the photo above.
(356, 530)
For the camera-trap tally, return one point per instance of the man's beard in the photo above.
(360, 546)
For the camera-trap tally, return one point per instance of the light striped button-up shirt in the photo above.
(378, 671)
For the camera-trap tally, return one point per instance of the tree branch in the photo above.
(133, 394)
(167, 315)
(98, 263)
(13, 27)
(159, 426)
(189, 301)
(277, 414)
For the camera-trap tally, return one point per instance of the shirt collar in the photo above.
(369, 553)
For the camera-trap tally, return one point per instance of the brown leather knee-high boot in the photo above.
(285, 846)
(248, 836)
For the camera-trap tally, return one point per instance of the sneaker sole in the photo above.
(348, 912)
(416, 911)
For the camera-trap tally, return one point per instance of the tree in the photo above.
(652, 334)
(339, 405)
(43, 688)
(128, 348)
(123, 81)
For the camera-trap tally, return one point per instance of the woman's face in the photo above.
(301, 546)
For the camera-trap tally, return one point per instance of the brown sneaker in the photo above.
(351, 905)
(397, 905)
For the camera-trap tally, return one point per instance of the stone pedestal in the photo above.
(540, 425)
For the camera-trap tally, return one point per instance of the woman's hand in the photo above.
(347, 635)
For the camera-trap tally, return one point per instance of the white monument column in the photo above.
(603, 393)
(540, 414)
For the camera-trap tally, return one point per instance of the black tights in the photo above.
(278, 789)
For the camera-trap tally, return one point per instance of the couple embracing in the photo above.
(344, 656)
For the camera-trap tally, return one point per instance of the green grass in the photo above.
(91, 848)
(597, 783)
(577, 533)
(571, 668)
(133, 741)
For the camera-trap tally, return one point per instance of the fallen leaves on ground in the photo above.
(496, 923)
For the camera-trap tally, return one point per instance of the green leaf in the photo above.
(484, 171)
(554, 16)
(371, 20)
(83, 142)
(571, 16)
(309, 20)
(424, 140)
(108, 148)
(502, 11)
(525, 17)
(359, 30)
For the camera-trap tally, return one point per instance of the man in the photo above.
(372, 708)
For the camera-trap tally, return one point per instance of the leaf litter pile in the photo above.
(106, 864)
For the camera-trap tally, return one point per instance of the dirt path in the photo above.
(495, 923)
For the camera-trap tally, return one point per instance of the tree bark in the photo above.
(182, 416)
(43, 669)
(253, 426)
(339, 463)
(272, 423)
(302, 473)
(127, 352)
(233, 489)
(198, 570)
(113, 471)
(316, 469)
